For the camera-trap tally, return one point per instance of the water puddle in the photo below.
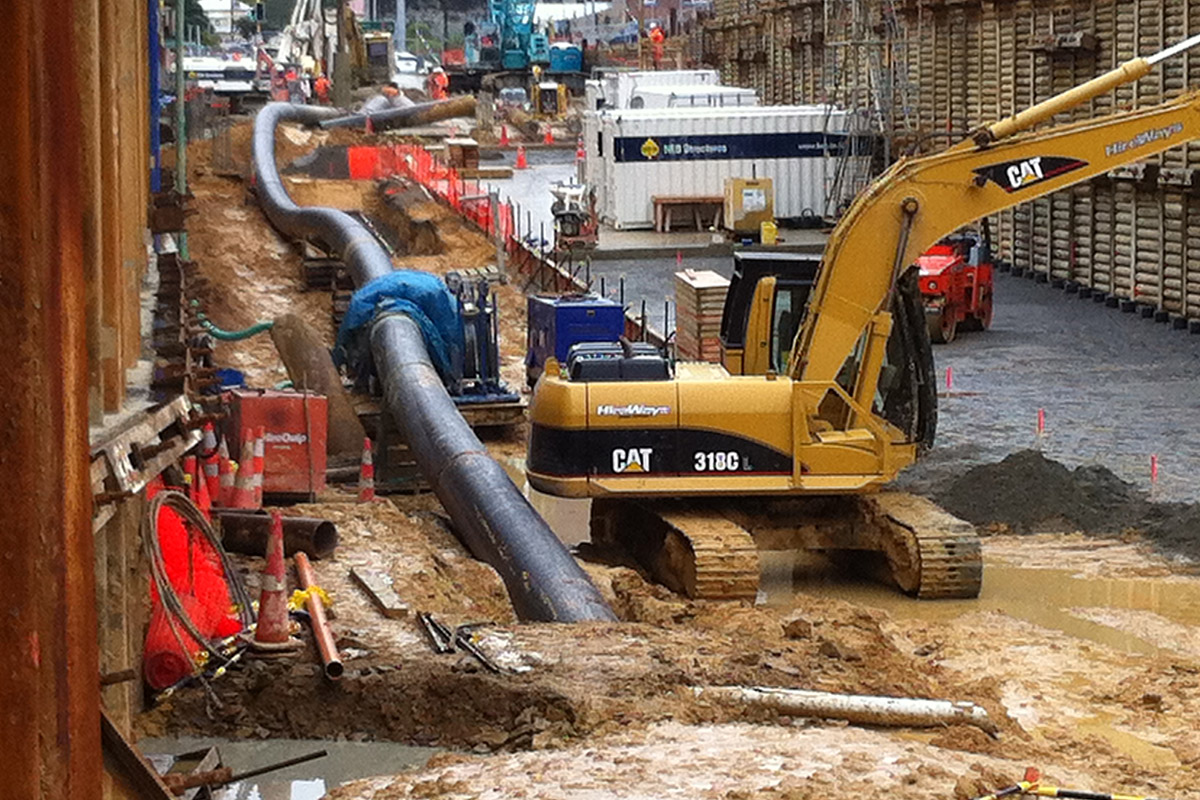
(1140, 750)
(346, 761)
(1043, 597)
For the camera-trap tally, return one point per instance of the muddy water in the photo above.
(346, 761)
(1049, 598)
(1043, 597)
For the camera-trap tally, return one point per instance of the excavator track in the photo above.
(932, 553)
(688, 549)
(709, 551)
(714, 558)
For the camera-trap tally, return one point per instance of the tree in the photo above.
(245, 26)
(279, 12)
(194, 16)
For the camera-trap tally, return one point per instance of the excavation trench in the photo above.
(491, 516)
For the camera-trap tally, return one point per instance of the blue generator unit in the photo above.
(557, 322)
(566, 57)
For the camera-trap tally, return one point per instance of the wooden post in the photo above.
(49, 670)
(87, 35)
(131, 115)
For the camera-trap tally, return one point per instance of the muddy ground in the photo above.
(1084, 649)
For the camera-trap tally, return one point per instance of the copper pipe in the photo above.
(320, 625)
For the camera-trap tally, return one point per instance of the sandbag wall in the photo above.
(1124, 235)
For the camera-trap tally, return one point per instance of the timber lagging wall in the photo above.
(1134, 234)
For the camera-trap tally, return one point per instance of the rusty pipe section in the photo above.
(490, 514)
(419, 114)
(243, 532)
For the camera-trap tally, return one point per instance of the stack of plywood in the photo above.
(699, 300)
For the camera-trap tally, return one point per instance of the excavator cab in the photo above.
(765, 307)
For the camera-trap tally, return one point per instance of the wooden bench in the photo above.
(665, 205)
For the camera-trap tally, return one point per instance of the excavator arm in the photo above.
(920, 200)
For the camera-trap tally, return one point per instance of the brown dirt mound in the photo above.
(1029, 493)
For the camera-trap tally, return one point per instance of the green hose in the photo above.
(231, 336)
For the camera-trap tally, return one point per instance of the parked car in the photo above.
(411, 70)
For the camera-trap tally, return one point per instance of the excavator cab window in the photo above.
(796, 274)
(790, 298)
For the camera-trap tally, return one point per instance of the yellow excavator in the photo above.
(780, 448)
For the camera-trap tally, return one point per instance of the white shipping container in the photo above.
(594, 173)
(593, 95)
(692, 97)
(618, 87)
(690, 152)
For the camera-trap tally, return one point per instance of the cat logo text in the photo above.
(1013, 176)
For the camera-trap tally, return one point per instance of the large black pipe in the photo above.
(408, 117)
(490, 514)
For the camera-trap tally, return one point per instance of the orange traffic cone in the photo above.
(209, 452)
(243, 492)
(259, 452)
(272, 634)
(504, 136)
(225, 471)
(366, 474)
(203, 498)
(549, 137)
(521, 163)
(580, 153)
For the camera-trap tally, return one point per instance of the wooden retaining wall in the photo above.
(1126, 235)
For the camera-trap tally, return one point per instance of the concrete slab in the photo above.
(529, 189)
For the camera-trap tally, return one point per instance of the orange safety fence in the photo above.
(466, 196)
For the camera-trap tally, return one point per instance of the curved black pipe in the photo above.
(490, 514)
(410, 116)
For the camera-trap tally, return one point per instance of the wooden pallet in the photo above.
(120, 466)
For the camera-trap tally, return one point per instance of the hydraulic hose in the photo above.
(234, 336)
(230, 336)
(490, 514)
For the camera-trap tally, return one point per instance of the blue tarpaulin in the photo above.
(419, 295)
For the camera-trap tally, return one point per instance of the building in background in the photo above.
(223, 14)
